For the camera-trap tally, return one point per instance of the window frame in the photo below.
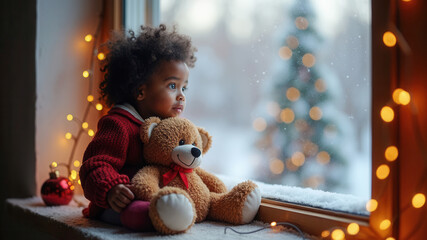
(384, 77)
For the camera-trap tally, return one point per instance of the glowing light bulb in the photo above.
(315, 113)
(85, 74)
(391, 153)
(325, 233)
(54, 164)
(285, 53)
(387, 114)
(70, 117)
(259, 124)
(338, 234)
(389, 39)
(73, 175)
(308, 60)
(79, 182)
(404, 97)
(390, 238)
(292, 94)
(101, 56)
(401, 96)
(383, 171)
(395, 95)
(68, 135)
(90, 132)
(273, 224)
(72, 187)
(287, 115)
(90, 98)
(88, 38)
(353, 228)
(85, 125)
(98, 106)
(385, 224)
(418, 200)
(77, 163)
(371, 205)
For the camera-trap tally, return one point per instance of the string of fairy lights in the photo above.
(73, 165)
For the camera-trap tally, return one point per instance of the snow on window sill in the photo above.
(305, 196)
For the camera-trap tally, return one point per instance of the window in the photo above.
(285, 92)
(322, 221)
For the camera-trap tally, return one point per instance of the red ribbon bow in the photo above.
(171, 174)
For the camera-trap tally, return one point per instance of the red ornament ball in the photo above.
(57, 190)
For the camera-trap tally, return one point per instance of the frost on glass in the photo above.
(283, 87)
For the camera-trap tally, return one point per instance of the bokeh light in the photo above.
(259, 124)
(308, 60)
(387, 114)
(315, 113)
(90, 98)
(385, 224)
(298, 159)
(292, 94)
(338, 234)
(353, 228)
(418, 200)
(323, 157)
(277, 166)
(292, 42)
(301, 23)
(371, 205)
(88, 38)
(287, 115)
(389, 39)
(391, 153)
(285, 53)
(320, 85)
(382, 171)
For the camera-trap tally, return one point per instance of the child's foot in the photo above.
(135, 216)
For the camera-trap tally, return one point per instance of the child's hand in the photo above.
(119, 197)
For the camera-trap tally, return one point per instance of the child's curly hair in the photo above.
(132, 59)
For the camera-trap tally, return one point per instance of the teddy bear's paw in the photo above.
(251, 205)
(175, 211)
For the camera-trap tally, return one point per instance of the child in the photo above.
(146, 75)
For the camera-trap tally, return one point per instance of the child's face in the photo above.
(163, 95)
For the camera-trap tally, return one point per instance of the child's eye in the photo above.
(172, 86)
(184, 89)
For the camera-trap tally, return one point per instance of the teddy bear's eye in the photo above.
(181, 142)
(194, 144)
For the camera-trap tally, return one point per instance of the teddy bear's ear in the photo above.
(206, 139)
(147, 127)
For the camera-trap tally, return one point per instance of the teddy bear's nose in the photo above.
(195, 152)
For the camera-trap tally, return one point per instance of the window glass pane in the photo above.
(283, 87)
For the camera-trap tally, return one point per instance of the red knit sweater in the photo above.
(113, 157)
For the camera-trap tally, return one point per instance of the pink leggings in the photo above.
(134, 216)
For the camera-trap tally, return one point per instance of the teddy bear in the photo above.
(180, 192)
